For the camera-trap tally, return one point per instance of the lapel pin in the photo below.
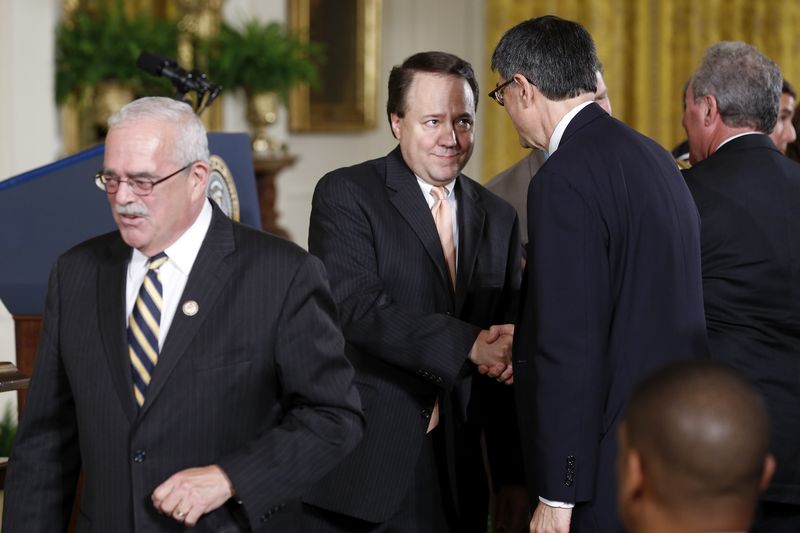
(190, 308)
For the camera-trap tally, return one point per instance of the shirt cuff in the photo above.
(560, 505)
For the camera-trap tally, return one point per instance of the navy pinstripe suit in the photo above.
(255, 382)
(408, 335)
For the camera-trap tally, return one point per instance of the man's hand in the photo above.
(191, 493)
(511, 509)
(548, 519)
(492, 352)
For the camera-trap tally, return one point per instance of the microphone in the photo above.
(184, 81)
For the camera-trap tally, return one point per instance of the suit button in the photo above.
(139, 456)
(426, 413)
(439, 379)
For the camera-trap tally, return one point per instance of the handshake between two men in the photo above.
(492, 352)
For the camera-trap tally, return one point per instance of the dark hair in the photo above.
(711, 406)
(558, 56)
(788, 89)
(433, 62)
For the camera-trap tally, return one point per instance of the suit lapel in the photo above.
(471, 217)
(209, 275)
(407, 198)
(113, 328)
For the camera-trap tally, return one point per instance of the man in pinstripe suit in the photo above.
(251, 399)
(418, 327)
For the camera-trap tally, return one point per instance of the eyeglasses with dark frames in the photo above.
(139, 186)
(497, 93)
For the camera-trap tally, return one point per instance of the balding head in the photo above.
(693, 450)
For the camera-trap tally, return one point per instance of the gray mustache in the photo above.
(131, 210)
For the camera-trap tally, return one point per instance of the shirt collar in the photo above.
(426, 187)
(729, 139)
(561, 127)
(182, 252)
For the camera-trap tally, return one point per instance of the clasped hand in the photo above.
(492, 352)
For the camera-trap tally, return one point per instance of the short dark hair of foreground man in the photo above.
(693, 451)
(215, 395)
(748, 195)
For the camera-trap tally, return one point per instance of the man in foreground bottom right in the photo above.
(693, 451)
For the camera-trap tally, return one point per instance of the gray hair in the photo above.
(558, 56)
(745, 82)
(190, 142)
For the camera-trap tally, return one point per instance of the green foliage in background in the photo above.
(8, 430)
(263, 57)
(99, 42)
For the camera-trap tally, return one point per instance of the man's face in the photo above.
(784, 132)
(601, 94)
(142, 149)
(694, 114)
(436, 134)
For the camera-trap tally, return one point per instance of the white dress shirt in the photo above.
(173, 274)
(450, 196)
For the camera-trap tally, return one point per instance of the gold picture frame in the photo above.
(349, 31)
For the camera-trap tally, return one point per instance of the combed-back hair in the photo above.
(745, 82)
(558, 56)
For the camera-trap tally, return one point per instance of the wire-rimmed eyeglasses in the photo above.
(140, 186)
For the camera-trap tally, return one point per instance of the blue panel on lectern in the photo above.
(46, 211)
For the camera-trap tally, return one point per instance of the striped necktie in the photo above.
(144, 328)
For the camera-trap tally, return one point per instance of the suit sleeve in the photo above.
(323, 419)
(341, 235)
(569, 286)
(45, 461)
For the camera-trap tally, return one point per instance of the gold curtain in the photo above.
(649, 48)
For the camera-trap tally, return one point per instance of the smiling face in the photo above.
(784, 132)
(143, 149)
(437, 132)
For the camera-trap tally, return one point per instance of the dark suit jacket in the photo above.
(512, 186)
(409, 336)
(613, 291)
(255, 382)
(748, 195)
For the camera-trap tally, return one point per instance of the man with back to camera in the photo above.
(748, 195)
(693, 451)
(190, 365)
(512, 184)
(613, 272)
(423, 263)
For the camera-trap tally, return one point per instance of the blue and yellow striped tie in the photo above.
(144, 328)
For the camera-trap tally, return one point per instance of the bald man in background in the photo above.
(512, 183)
(693, 451)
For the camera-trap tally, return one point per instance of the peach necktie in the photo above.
(443, 217)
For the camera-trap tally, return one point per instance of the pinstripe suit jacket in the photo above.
(408, 334)
(255, 382)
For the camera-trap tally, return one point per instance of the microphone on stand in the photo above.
(183, 80)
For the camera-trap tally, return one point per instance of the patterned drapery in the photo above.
(648, 48)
